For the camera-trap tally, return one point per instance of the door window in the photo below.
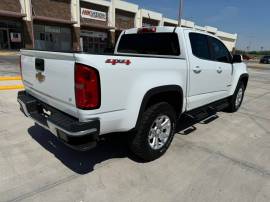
(199, 45)
(219, 51)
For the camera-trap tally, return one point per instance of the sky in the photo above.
(250, 19)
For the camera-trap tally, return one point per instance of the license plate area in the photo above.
(43, 110)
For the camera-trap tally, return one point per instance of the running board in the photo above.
(207, 110)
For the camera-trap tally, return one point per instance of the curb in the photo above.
(13, 87)
(10, 78)
(6, 53)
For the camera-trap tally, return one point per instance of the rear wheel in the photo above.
(236, 99)
(155, 133)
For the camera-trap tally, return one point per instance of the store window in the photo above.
(11, 34)
(93, 41)
(52, 38)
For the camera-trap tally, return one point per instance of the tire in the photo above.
(235, 101)
(145, 144)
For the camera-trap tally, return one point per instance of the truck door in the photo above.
(222, 61)
(204, 77)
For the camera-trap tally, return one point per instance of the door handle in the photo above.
(197, 70)
(219, 70)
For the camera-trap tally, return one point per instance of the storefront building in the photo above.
(167, 24)
(52, 26)
(150, 18)
(149, 22)
(125, 16)
(79, 25)
(94, 27)
(123, 20)
(11, 25)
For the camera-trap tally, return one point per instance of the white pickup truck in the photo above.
(155, 75)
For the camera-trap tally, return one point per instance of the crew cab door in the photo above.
(222, 62)
(206, 75)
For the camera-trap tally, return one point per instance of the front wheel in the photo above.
(236, 99)
(155, 132)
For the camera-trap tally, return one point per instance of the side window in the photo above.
(199, 45)
(219, 51)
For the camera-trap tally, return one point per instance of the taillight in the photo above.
(87, 87)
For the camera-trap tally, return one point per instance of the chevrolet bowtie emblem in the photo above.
(40, 77)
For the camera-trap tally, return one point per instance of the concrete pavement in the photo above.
(223, 159)
(9, 65)
(257, 65)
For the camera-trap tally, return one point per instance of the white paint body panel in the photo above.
(211, 83)
(123, 87)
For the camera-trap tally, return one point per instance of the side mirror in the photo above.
(237, 59)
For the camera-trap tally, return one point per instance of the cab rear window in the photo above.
(163, 44)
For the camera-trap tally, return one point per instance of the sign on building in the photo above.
(93, 14)
(15, 37)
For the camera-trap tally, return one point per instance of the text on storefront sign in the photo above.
(93, 14)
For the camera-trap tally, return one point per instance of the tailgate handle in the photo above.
(39, 64)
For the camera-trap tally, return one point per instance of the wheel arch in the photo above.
(173, 95)
(244, 78)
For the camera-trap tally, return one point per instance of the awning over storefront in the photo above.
(55, 20)
(11, 14)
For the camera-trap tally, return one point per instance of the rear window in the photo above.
(165, 44)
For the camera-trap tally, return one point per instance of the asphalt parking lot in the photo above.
(226, 158)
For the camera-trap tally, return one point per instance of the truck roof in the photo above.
(162, 29)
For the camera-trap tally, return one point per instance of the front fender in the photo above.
(240, 72)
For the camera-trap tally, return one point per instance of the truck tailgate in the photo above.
(49, 76)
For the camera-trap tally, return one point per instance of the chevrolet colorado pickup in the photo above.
(154, 76)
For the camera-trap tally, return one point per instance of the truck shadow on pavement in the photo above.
(112, 146)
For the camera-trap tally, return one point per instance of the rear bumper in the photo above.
(78, 135)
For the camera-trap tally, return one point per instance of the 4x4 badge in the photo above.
(118, 61)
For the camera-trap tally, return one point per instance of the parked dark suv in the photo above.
(265, 59)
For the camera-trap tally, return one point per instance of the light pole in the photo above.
(32, 24)
(180, 14)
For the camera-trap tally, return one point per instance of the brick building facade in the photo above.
(88, 25)
(11, 25)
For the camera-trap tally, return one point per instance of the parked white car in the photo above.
(155, 75)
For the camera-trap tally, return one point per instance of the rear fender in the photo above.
(155, 91)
